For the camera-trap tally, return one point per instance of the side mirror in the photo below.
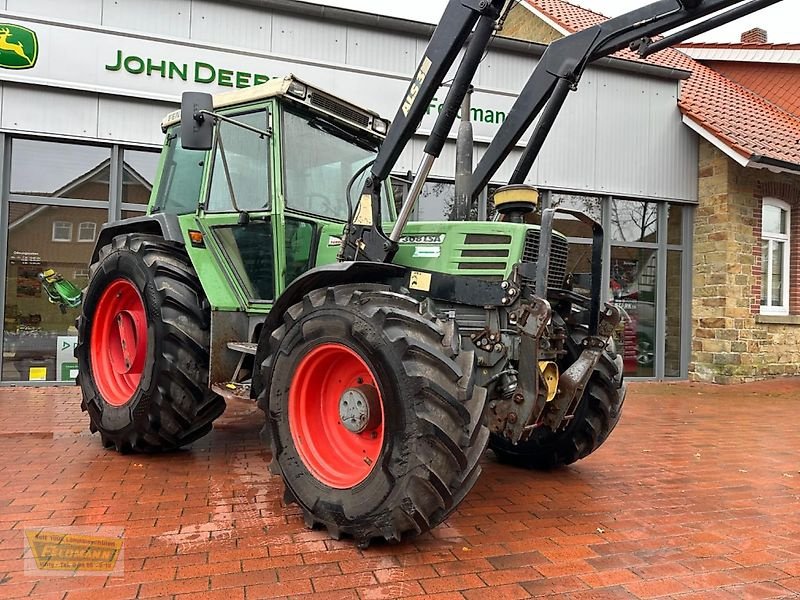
(197, 130)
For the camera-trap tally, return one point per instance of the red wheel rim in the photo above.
(118, 344)
(335, 455)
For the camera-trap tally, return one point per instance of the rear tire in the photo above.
(143, 347)
(595, 417)
(419, 457)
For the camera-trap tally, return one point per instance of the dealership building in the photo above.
(86, 83)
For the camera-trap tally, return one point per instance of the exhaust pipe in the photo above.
(462, 203)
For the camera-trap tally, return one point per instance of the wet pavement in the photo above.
(696, 495)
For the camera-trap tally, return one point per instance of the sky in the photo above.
(780, 20)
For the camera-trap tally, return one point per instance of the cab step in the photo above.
(243, 347)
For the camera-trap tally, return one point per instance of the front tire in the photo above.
(595, 418)
(143, 347)
(399, 463)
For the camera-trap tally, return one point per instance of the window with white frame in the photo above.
(62, 231)
(775, 228)
(87, 231)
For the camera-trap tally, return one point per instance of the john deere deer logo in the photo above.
(19, 47)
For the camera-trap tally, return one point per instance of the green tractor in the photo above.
(381, 386)
(385, 363)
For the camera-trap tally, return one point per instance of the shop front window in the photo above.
(139, 169)
(591, 206)
(634, 221)
(435, 202)
(633, 285)
(38, 339)
(673, 345)
(59, 170)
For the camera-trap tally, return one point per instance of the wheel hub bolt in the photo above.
(359, 408)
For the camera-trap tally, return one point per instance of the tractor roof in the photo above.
(296, 90)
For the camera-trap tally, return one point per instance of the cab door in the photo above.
(239, 210)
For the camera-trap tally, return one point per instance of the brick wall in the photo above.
(732, 341)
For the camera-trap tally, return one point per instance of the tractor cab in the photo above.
(277, 147)
(264, 179)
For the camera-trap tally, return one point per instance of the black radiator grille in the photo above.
(493, 259)
(558, 258)
(340, 109)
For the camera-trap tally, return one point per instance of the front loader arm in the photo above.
(563, 63)
(364, 238)
(558, 72)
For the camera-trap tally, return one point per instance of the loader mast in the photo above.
(558, 72)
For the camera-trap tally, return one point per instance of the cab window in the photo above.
(299, 238)
(179, 187)
(248, 249)
(240, 179)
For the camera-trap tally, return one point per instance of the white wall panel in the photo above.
(51, 111)
(82, 11)
(159, 17)
(245, 27)
(309, 38)
(505, 71)
(379, 50)
(121, 119)
(672, 147)
(623, 133)
(569, 155)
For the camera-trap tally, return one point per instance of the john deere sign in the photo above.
(19, 47)
(197, 71)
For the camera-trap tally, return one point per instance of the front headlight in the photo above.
(380, 126)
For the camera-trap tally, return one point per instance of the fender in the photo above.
(162, 224)
(323, 276)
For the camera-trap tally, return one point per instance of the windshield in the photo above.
(320, 158)
(179, 188)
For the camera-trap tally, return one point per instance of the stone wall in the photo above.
(732, 342)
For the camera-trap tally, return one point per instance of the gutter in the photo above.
(774, 163)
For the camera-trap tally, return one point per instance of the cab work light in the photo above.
(298, 90)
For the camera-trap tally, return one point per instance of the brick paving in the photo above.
(696, 495)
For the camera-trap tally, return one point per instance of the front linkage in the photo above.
(543, 398)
